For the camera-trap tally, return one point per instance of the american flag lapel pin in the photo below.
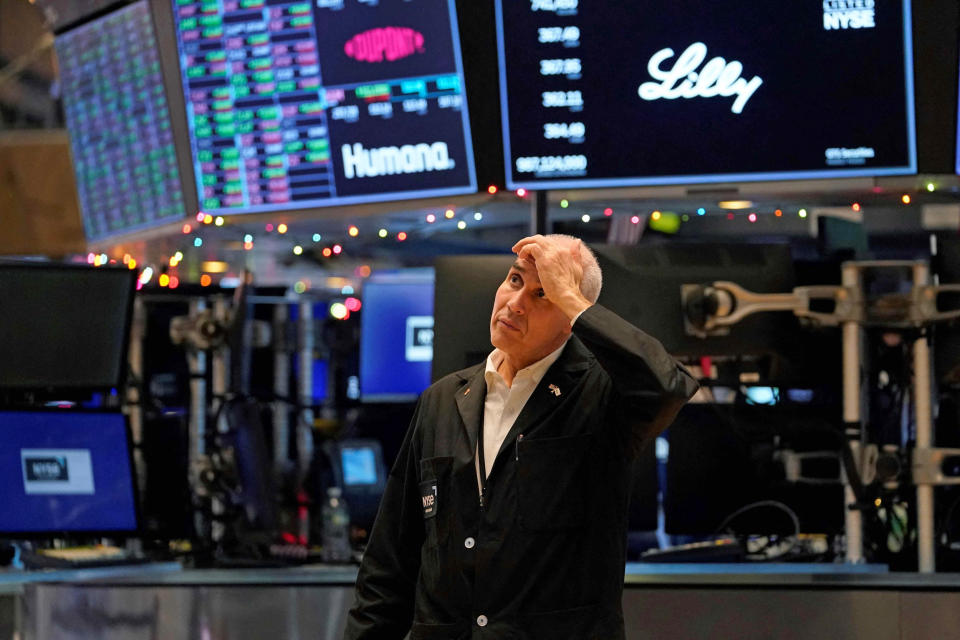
(554, 389)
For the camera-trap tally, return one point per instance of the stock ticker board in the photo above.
(652, 92)
(119, 124)
(294, 105)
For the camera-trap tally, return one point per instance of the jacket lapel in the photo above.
(559, 379)
(470, 397)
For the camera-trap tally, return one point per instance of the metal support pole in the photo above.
(220, 367)
(136, 392)
(305, 390)
(220, 370)
(197, 361)
(926, 535)
(538, 213)
(281, 386)
(853, 519)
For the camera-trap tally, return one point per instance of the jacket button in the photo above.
(469, 543)
(481, 621)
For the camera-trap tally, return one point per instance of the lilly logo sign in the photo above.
(717, 78)
(384, 43)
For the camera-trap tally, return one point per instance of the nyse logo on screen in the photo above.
(387, 161)
(384, 43)
(848, 14)
(717, 78)
(419, 342)
(46, 469)
(57, 471)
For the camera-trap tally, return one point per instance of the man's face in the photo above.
(524, 324)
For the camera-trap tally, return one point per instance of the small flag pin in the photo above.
(554, 389)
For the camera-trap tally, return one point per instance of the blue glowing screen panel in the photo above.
(359, 466)
(652, 92)
(65, 472)
(396, 337)
(304, 104)
(119, 124)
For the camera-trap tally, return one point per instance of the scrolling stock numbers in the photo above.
(574, 132)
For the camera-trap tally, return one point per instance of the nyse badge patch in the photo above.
(428, 498)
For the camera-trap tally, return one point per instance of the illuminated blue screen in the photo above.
(359, 466)
(65, 472)
(396, 336)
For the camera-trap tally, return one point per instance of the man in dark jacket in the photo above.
(505, 514)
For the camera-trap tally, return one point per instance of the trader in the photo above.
(505, 514)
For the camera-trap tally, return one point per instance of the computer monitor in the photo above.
(652, 92)
(643, 285)
(724, 457)
(465, 288)
(122, 144)
(66, 473)
(64, 327)
(360, 471)
(396, 335)
(304, 105)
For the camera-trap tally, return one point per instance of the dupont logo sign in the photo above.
(384, 44)
(359, 162)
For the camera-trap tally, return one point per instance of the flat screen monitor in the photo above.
(359, 466)
(652, 92)
(723, 458)
(396, 336)
(119, 123)
(360, 472)
(643, 285)
(465, 288)
(294, 105)
(64, 327)
(65, 472)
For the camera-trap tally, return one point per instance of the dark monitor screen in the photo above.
(119, 123)
(643, 285)
(723, 458)
(296, 105)
(396, 336)
(465, 288)
(652, 92)
(64, 327)
(65, 472)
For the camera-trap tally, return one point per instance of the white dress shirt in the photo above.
(503, 404)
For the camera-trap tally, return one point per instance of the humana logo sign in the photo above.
(387, 161)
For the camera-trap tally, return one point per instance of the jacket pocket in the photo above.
(553, 478)
(580, 623)
(435, 498)
(424, 631)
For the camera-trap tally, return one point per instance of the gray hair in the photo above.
(592, 276)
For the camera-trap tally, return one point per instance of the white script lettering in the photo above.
(717, 78)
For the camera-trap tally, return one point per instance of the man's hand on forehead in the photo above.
(557, 261)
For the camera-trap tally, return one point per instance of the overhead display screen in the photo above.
(119, 123)
(294, 105)
(611, 94)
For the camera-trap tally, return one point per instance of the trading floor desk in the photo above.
(660, 601)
